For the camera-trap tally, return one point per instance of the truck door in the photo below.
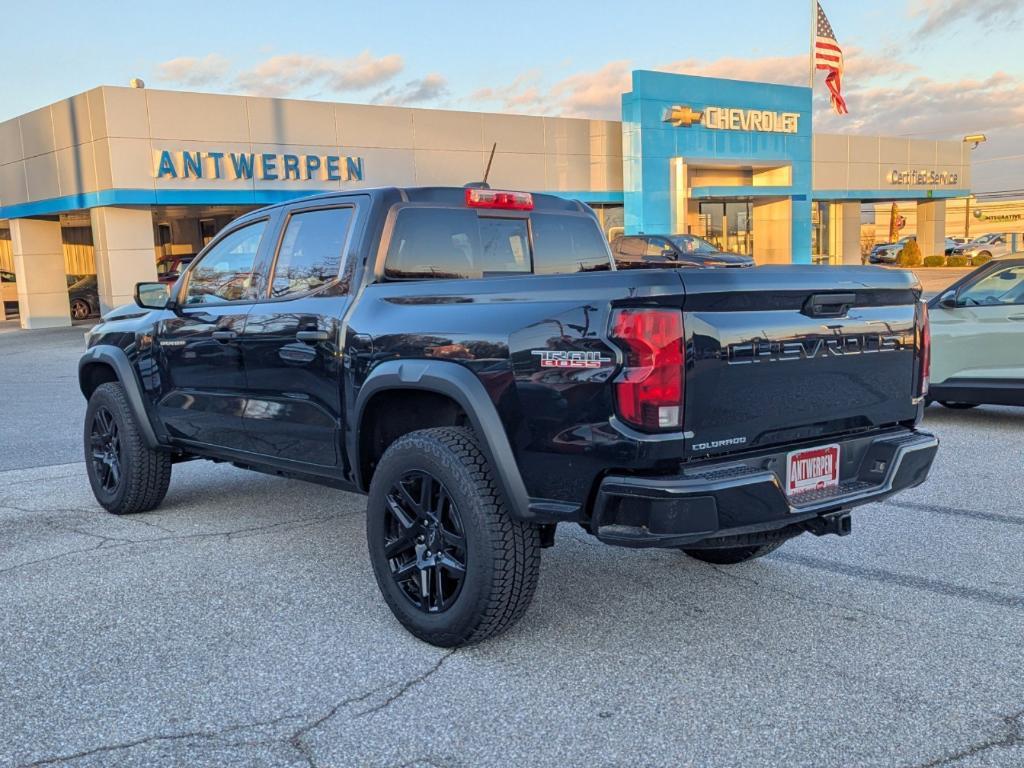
(199, 346)
(292, 341)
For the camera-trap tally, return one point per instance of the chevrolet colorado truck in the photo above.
(472, 361)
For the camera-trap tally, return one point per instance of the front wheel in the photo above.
(126, 475)
(453, 566)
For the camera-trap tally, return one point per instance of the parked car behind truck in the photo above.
(978, 337)
(658, 251)
(993, 245)
(471, 360)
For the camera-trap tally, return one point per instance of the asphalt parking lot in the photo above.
(240, 625)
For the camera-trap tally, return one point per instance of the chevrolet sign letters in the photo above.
(732, 119)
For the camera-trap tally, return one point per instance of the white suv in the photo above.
(977, 328)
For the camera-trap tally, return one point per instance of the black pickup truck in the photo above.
(472, 360)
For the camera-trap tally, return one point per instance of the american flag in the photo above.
(829, 56)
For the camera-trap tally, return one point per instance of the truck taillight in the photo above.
(924, 335)
(497, 198)
(649, 391)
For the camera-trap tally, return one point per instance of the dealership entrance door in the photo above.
(728, 224)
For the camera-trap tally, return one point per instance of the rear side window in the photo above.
(311, 250)
(445, 243)
(564, 244)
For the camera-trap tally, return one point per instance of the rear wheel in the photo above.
(452, 565)
(126, 475)
(953, 405)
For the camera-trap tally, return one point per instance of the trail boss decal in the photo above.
(552, 358)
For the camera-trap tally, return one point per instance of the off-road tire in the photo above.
(502, 555)
(145, 474)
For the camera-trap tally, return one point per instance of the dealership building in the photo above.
(120, 181)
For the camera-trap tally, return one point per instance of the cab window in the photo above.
(225, 271)
(567, 243)
(999, 288)
(444, 243)
(311, 250)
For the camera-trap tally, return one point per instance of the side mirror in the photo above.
(948, 300)
(152, 295)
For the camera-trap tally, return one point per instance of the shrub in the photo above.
(934, 261)
(960, 261)
(910, 255)
(981, 258)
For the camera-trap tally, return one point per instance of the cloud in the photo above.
(428, 88)
(292, 73)
(188, 70)
(598, 93)
(939, 15)
(523, 94)
(926, 107)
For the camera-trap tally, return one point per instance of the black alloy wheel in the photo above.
(451, 563)
(424, 541)
(105, 439)
(126, 474)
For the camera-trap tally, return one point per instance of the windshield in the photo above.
(692, 244)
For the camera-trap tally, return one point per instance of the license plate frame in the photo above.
(817, 468)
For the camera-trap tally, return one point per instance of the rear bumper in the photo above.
(746, 496)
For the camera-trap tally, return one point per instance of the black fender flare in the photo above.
(116, 359)
(462, 386)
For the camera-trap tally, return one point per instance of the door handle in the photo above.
(1018, 318)
(308, 336)
(225, 335)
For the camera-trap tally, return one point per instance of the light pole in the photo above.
(974, 139)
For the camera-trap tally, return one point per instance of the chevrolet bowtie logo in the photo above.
(681, 116)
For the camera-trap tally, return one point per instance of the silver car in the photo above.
(990, 246)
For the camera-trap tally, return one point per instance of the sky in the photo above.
(922, 68)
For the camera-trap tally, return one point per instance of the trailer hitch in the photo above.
(839, 523)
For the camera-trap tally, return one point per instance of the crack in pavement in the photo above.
(408, 685)
(295, 739)
(160, 737)
(120, 543)
(1013, 737)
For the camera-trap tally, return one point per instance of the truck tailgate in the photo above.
(786, 354)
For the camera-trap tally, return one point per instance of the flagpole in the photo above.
(814, 38)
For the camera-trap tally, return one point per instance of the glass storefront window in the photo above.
(728, 225)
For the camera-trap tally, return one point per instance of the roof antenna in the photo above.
(487, 172)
